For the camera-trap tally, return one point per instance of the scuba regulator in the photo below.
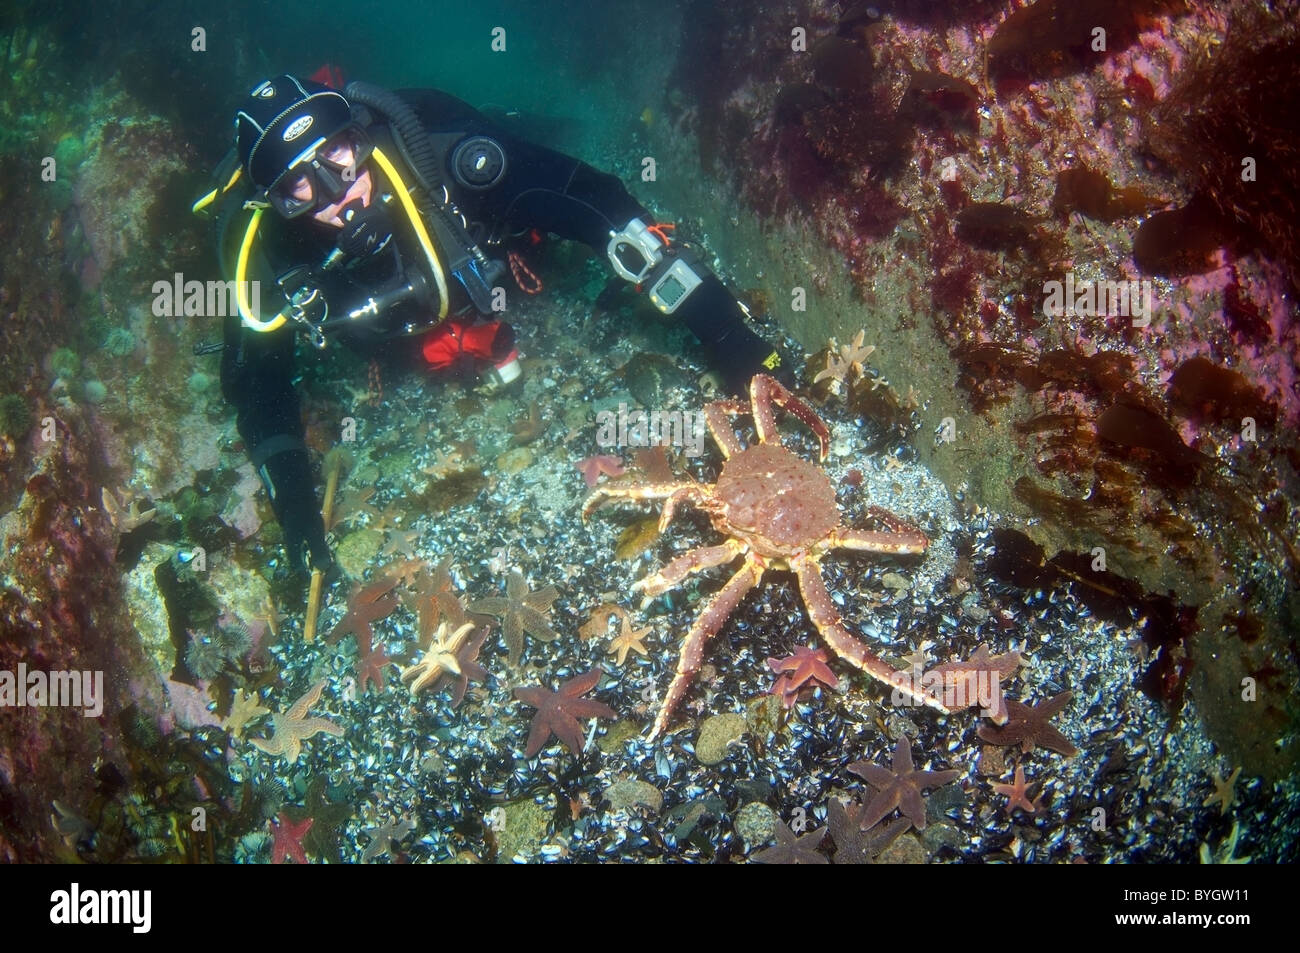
(440, 230)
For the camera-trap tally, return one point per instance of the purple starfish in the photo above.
(558, 712)
(900, 786)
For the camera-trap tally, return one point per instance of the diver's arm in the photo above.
(257, 378)
(575, 201)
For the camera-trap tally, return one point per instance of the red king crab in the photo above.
(777, 511)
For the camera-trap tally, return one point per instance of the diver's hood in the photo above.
(283, 118)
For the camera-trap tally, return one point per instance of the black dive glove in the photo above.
(742, 354)
(735, 351)
(289, 482)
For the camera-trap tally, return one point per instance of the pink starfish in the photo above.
(288, 839)
(592, 467)
(805, 665)
(1017, 794)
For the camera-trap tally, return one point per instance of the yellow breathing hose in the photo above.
(417, 224)
(241, 285)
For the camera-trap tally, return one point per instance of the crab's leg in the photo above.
(892, 521)
(715, 415)
(694, 561)
(765, 391)
(707, 623)
(831, 626)
(903, 541)
(697, 493)
(644, 491)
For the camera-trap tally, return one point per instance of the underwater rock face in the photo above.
(62, 609)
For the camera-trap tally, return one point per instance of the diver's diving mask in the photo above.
(321, 174)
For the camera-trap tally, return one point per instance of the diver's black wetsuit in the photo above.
(541, 189)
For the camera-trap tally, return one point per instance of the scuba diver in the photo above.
(384, 220)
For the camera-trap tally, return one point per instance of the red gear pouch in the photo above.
(452, 339)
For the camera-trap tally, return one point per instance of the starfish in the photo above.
(790, 849)
(445, 463)
(372, 662)
(977, 680)
(399, 541)
(1223, 791)
(245, 709)
(919, 656)
(1226, 850)
(288, 839)
(1017, 794)
(382, 837)
(629, 638)
(367, 604)
(836, 371)
(841, 360)
(855, 354)
(558, 712)
(592, 467)
(354, 508)
(1029, 728)
(293, 727)
(805, 665)
(900, 786)
(520, 611)
(853, 845)
(439, 658)
(436, 601)
(470, 669)
(128, 519)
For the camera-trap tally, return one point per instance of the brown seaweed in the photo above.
(791, 103)
(839, 63)
(1206, 392)
(1181, 241)
(1166, 625)
(939, 100)
(1149, 440)
(1056, 37)
(1091, 193)
(996, 226)
(1241, 101)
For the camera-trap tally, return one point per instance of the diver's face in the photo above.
(359, 189)
(340, 155)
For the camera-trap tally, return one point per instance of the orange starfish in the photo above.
(558, 712)
(629, 639)
(592, 467)
(1017, 794)
(291, 728)
(1030, 727)
(899, 786)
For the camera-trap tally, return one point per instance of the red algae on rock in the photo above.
(1231, 126)
(1054, 37)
